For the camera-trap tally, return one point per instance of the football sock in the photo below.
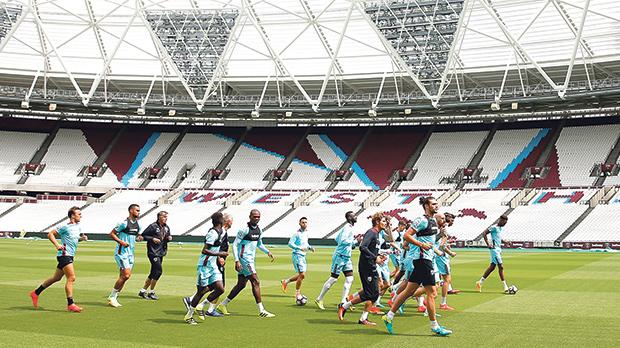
(434, 324)
(190, 313)
(297, 293)
(390, 315)
(505, 285)
(450, 287)
(69, 301)
(420, 301)
(444, 300)
(39, 290)
(114, 293)
(226, 301)
(261, 308)
(347, 305)
(364, 316)
(481, 280)
(142, 290)
(328, 284)
(348, 282)
(212, 307)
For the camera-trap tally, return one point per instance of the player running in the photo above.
(299, 244)
(424, 228)
(395, 256)
(443, 265)
(341, 261)
(157, 235)
(496, 252)
(368, 261)
(209, 276)
(244, 250)
(70, 234)
(125, 234)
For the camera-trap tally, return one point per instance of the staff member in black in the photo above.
(157, 236)
(367, 265)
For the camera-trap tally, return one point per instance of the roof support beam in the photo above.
(562, 92)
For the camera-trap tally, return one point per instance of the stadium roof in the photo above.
(307, 53)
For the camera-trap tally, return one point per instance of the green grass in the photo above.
(564, 298)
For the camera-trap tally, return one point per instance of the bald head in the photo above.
(228, 221)
(440, 218)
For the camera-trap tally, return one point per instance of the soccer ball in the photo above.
(512, 290)
(302, 300)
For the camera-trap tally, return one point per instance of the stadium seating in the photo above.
(100, 218)
(67, 155)
(547, 215)
(202, 150)
(248, 168)
(191, 208)
(599, 225)
(150, 153)
(17, 147)
(442, 156)
(580, 148)
(36, 215)
(505, 152)
(324, 214)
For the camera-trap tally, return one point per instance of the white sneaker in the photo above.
(114, 302)
(265, 314)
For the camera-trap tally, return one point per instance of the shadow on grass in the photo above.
(95, 304)
(32, 309)
(179, 321)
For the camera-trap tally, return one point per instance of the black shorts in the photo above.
(156, 266)
(423, 273)
(370, 285)
(63, 261)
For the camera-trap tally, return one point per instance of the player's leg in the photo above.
(348, 283)
(333, 278)
(444, 292)
(255, 282)
(201, 290)
(69, 273)
(486, 274)
(298, 283)
(397, 302)
(217, 289)
(241, 283)
(123, 275)
(156, 272)
(34, 295)
(500, 270)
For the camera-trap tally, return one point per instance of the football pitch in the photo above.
(565, 298)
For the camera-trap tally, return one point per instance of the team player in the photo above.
(221, 262)
(125, 234)
(495, 248)
(70, 234)
(395, 256)
(209, 276)
(421, 235)
(246, 242)
(443, 265)
(299, 244)
(387, 247)
(157, 235)
(341, 261)
(368, 261)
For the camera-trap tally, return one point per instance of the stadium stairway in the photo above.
(593, 202)
(290, 157)
(414, 156)
(304, 199)
(38, 156)
(105, 154)
(546, 153)
(229, 156)
(346, 165)
(612, 157)
(15, 206)
(161, 162)
(475, 161)
(374, 199)
(90, 201)
(234, 199)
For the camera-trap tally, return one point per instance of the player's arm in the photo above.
(52, 237)
(261, 246)
(486, 238)
(238, 238)
(83, 237)
(209, 241)
(114, 236)
(410, 237)
(294, 241)
(449, 251)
